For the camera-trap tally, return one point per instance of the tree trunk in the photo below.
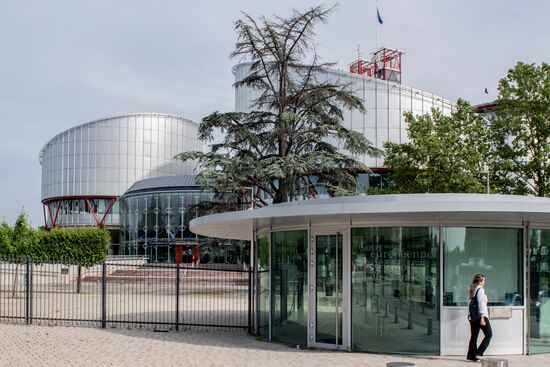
(15, 280)
(282, 193)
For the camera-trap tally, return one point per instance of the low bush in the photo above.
(88, 245)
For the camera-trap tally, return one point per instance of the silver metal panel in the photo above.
(455, 332)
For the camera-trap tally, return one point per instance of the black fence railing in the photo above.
(128, 292)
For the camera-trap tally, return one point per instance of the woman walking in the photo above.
(479, 319)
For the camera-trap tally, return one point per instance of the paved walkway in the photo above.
(22, 345)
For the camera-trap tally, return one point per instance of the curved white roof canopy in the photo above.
(429, 208)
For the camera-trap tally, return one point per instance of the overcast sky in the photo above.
(63, 63)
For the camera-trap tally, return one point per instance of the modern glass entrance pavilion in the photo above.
(389, 273)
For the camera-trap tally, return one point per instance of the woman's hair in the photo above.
(475, 282)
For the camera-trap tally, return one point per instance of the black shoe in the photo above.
(475, 359)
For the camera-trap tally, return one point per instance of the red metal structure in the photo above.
(53, 206)
(486, 107)
(385, 64)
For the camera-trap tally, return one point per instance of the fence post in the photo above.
(396, 315)
(31, 283)
(250, 302)
(27, 294)
(177, 295)
(104, 295)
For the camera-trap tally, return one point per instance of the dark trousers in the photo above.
(475, 326)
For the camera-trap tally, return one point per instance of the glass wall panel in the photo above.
(494, 252)
(263, 286)
(539, 264)
(394, 290)
(153, 224)
(289, 287)
(329, 289)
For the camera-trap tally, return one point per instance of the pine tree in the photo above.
(287, 147)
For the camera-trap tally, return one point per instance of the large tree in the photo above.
(521, 132)
(293, 142)
(444, 153)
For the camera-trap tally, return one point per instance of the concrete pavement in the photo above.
(22, 345)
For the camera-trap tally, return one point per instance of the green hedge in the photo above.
(89, 244)
(70, 244)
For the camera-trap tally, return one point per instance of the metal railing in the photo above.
(129, 293)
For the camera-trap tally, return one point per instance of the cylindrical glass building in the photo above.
(155, 215)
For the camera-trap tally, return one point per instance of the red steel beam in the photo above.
(92, 210)
(60, 199)
(113, 200)
(57, 212)
(50, 213)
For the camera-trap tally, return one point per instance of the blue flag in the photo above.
(379, 16)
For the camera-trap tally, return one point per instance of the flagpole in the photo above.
(377, 24)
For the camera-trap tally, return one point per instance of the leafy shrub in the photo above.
(86, 244)
(6, 233)
(81, 244)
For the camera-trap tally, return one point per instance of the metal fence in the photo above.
(127, 292)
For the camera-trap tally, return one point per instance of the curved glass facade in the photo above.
(378, 289)
(392, 289)
(155, 224)
(155, 215)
